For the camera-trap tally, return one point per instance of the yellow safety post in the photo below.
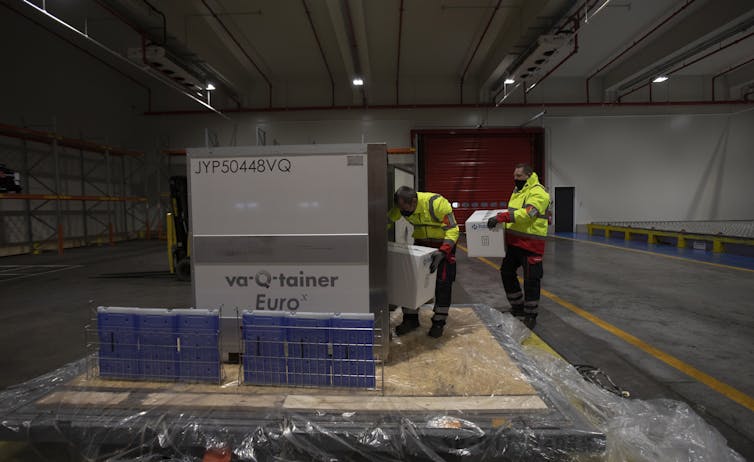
(681, 241)
(607, 233)
(589, 229)
(717, 246)
(628, 235)
(651, 238)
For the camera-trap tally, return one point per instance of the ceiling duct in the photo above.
(539, 60)
(158, 58)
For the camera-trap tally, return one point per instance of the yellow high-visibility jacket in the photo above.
(433, 220)
(528, 210)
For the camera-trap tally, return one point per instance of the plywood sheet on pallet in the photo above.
(213, 400)
(331, 403)
(414, 403)
(76, 398)
(466, 362)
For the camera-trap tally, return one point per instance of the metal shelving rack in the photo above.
(109, 194)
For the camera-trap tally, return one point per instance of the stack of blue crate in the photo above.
(308, 361)
(119, 353)
(158, 352)
(198, 332)
(353, 353)
(264, 334)
(159, 344)
(308, 349)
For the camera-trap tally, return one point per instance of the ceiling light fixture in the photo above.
(660, 79)
(509, 81)
(210, 87)
(357, 81)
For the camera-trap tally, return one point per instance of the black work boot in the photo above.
(530, 320)
(436, 330)
(517, 310)
(410, 323)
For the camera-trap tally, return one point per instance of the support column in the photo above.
(27, 203)
(83, 193)
(58, 205)
(717, 246)
(109, 190)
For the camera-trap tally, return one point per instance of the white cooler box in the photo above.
(481, 241)
(409, 282)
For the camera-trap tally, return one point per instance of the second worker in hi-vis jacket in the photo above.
(526, 225)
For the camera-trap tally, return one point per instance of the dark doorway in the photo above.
(564, 203)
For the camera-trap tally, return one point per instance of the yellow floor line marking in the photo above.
(673, 257)
(536, 341)
(723, 388)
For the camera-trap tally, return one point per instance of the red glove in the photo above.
(504, 217)
(447, 249)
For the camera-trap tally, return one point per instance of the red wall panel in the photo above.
(475, 170)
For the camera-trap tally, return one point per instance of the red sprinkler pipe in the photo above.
(238, 44)
(321, 53)
(730, 69)
(636, 42)
(576, 18)
(398, 60)
(573, 52)
(476, 48)
(454, 106)
(88, 53)
(717, 50)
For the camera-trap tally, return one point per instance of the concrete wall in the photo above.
(663, 167)
(625, 163)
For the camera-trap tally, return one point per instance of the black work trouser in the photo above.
(526, 301)
(446, 274)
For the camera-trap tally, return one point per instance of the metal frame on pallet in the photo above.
(293, 372)
(95, 359)
(90, 203)
(558, 433)
(363, 373)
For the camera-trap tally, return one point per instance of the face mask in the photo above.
(520, 184)
(406, 213)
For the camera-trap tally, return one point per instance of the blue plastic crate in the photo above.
(118, 343)
(264, 337)
(198, 333)
(198, 319)
(352, 338)
(158, 351)
(309, 362)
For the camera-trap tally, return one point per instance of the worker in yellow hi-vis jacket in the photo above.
(434, 226)
(525, 232)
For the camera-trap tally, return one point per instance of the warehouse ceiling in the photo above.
(304, 53)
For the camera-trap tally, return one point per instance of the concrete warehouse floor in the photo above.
(699, 317)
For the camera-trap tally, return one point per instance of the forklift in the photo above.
(10, 181)
(179, 251)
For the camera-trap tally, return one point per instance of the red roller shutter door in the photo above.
(475, 171)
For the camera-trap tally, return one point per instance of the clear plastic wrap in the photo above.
(477, 393)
